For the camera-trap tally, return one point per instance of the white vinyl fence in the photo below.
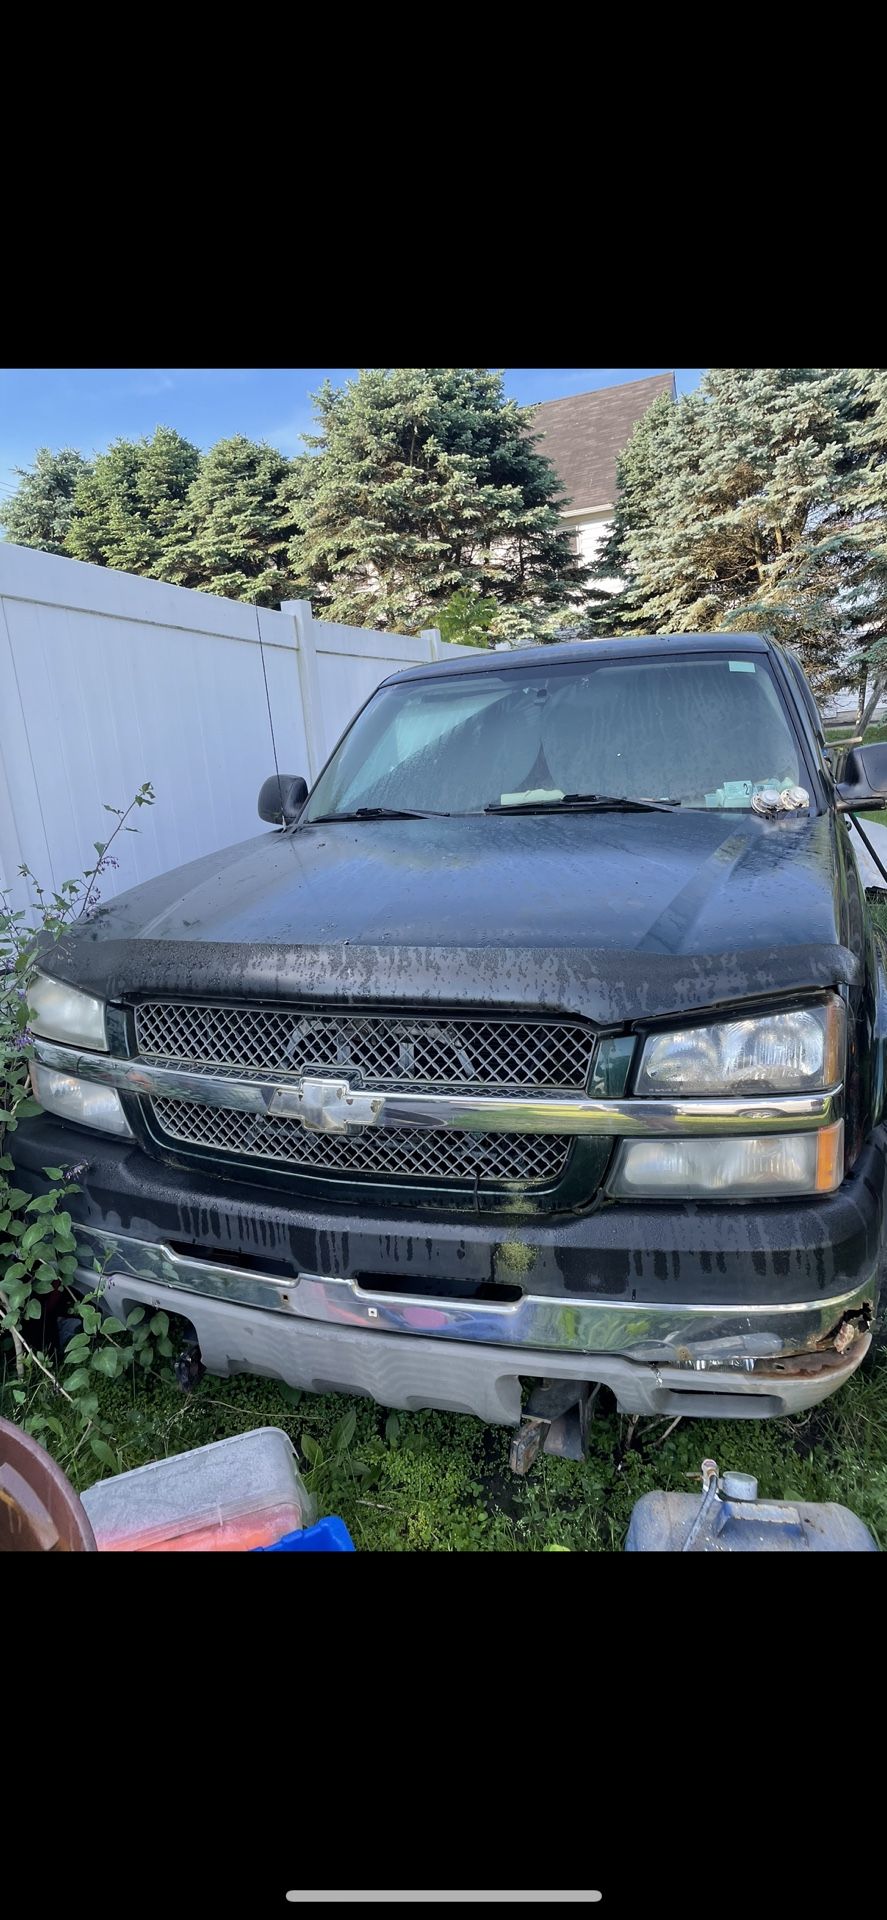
(107, 680)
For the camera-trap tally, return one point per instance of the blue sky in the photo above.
(88, 407)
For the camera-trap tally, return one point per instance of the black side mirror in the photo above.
(282, 798)
(862, 787)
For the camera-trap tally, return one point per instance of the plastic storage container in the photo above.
(231, 1496)
(728, 1517)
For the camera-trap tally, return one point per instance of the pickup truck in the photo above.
(542, 1041)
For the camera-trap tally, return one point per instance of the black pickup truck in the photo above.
(542, 1041)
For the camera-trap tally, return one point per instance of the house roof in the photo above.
(584, 435)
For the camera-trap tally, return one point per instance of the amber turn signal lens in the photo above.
(830, 1158)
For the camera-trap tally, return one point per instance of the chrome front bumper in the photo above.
(777, 1357)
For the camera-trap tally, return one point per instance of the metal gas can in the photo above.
(729, 1518)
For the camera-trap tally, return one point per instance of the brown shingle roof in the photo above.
(584, 435)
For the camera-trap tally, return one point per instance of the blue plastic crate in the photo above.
(326, 1536)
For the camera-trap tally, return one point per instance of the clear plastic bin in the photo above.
(230, 1496)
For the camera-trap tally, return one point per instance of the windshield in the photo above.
(703, 730)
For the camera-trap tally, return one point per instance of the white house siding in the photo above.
(591, 528)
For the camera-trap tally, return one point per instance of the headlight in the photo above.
(799, 1051)
(59, 1012)
(754, 1168)
(79, 1100)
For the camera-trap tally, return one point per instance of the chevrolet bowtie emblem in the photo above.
(325, 1106)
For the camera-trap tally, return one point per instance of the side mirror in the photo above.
(862, 787)
(282, 798)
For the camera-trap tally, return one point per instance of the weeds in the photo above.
(38, 1248)
(439, 1482)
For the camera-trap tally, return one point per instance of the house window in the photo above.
(574, 542)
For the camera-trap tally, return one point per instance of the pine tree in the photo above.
(724, 510)
(126, 504)
(426, 483)
(168, 469)
(656, 443)
(234, 529)
(466, 619)
(853, 541)
(41, 511)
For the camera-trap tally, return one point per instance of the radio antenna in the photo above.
(268, 702)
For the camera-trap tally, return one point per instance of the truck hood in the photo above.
(611, 916)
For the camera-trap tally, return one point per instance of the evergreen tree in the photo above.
(168, 469)
(761, 501)
(657, 441)
(426, 483)
(40, 512)
(234, 529)
(736, 508)
(126, 504)
(852, 541)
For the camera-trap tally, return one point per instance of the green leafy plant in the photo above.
(332, 1469)
(38, 1246)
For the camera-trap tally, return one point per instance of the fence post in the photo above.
(435, 644)
(309, 682)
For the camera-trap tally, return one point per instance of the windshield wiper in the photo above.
(380, 813)
(587, 803)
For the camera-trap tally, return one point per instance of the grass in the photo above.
(436, 1482)
(878, 911)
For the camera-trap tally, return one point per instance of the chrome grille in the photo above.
(465, 1053)
(404, 1153)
